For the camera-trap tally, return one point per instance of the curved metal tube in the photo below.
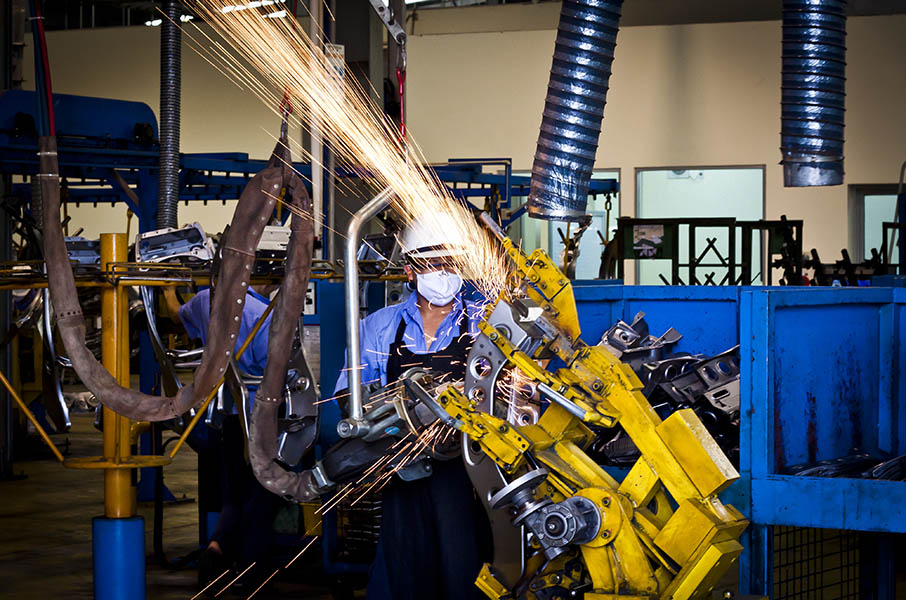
(573, 109)
(813, 92)
(353, 426)
(263, 433)
(252, 213)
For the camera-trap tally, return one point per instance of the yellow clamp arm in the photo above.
(553, 383)
(498, 439)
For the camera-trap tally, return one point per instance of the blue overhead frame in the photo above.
(97, 135)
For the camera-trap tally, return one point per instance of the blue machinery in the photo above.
(821, 369)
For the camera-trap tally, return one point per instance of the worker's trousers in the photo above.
(434, 538)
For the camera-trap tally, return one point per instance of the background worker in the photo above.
(434, 534)
(243, 531)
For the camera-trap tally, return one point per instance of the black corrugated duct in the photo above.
(574, 107)
(170, 84)
(813, 92)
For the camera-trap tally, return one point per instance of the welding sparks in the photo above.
(283, 57)
(219, 577)
(235, 580)
(301, 552)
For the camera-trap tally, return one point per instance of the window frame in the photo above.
(636, 271)
(856, 213)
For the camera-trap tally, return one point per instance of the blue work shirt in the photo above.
(195, 316)
(377, 332)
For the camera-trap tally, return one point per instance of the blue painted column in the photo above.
(149, 370)
(118, 550)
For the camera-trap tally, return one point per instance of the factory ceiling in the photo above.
(76, 14)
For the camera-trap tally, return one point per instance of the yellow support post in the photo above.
(119, 495)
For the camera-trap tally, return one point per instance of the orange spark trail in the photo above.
(274, 54)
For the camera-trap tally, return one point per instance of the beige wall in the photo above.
(124, 63)
(687, 95)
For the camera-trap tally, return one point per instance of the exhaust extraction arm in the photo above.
(573, 109)
(813, 92)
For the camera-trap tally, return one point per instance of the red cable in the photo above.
(48, 89)
(401, 78)
(286, 103)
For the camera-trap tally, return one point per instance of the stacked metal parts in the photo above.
(709, 385)
(573, 109)
(813, 92)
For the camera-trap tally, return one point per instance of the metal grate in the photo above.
(815, 564)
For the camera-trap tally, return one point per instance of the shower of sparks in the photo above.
(235, 580)
(272, 575)
(370, 482)
(301, 552)
(219, 577)
(274, 56)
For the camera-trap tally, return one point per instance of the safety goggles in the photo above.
(428, 265)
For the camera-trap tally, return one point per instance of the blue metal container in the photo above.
(820, 376)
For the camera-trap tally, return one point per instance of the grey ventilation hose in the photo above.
(813, 92)
(573, 109)
(170, 92)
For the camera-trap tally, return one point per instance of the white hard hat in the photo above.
(432, 236)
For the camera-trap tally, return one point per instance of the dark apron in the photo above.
(434, 533)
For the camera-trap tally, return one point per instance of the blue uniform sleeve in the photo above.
(194, 315)
(373, 354)
(257, 350)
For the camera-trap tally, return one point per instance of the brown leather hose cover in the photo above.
(251, 215)
(290, 302)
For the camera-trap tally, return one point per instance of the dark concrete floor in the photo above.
(45, 531)
(45, 534)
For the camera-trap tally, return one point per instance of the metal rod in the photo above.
(331, 206)
(353, 350)
(570, 406)
(317, 136)
(204, 405)
(30, 416)
(119, 501)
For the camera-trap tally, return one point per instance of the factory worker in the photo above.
(434, 534)
(243, 532)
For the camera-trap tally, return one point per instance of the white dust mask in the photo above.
(438, 287)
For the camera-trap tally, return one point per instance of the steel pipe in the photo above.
(354, 425)
(813, 92)
(573, 109)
